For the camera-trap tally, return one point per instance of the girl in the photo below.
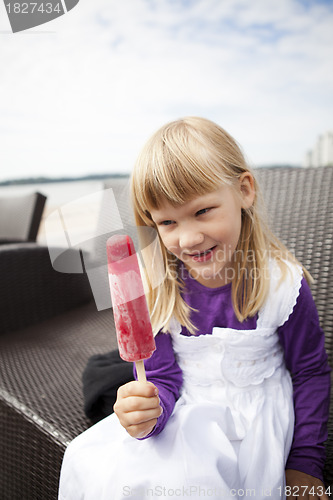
(238, 339)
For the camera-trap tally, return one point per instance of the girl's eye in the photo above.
(166, 222)
(203, 211)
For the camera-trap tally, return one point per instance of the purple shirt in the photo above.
(303, 342)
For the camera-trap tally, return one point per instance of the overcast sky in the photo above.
(82, 93)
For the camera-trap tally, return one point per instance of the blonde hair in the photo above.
(188, 158)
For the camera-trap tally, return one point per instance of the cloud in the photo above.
(85, 97)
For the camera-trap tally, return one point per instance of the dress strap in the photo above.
(282, 295)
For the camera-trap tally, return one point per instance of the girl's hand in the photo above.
(138, 407)
(304, 486)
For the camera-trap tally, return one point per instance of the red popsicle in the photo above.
(134, 332)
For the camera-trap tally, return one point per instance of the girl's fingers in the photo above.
(138, 407)
(140, 423)
(135, 388)
(138, 403)
(139, 417)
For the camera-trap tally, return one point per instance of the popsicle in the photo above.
(134, 332)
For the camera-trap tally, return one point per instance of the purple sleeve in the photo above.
(306, 359)
(163, 371)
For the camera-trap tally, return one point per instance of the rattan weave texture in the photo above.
(31, 458)
(299, 203)
(40, 378)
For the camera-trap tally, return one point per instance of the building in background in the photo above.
(322, 153)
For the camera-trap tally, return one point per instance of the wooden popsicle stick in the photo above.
(140, 370)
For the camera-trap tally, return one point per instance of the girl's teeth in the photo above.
(204, 253)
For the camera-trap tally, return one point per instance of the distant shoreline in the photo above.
(49, 180)
(93, 177)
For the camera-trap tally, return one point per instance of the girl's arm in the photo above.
(163, 371)
(306, 359)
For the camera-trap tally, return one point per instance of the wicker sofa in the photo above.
(50, 327)
(20, 217)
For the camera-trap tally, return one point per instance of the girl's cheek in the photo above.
(172, 249)
(163, 238)
(167, 241)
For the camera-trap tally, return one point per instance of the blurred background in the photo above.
(80, 95)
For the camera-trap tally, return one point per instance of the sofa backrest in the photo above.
(20, 217)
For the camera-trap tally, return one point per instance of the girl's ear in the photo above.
(248, 193)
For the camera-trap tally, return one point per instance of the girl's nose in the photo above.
(190, 238)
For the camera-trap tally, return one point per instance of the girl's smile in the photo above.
(204, 232)
(204, 255)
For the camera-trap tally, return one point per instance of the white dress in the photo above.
(229, 435)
